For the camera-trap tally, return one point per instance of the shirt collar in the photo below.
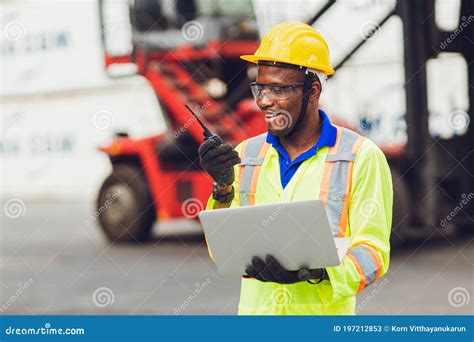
(326, 138)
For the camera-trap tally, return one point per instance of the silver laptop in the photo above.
(297, 234)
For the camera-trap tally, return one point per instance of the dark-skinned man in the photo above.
(303, 156)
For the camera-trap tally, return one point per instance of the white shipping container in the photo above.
(57, 103)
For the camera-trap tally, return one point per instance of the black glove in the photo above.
(272, 271)
(218, 161)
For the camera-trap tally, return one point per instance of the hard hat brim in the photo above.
(254, 59)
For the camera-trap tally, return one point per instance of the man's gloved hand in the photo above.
(218, 161)
(270, 270)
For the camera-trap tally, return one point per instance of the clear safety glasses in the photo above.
(274, 92)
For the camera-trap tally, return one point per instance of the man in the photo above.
(304, 156)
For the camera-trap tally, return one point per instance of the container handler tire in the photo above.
(125, 209)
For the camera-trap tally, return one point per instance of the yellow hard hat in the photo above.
(294, 43)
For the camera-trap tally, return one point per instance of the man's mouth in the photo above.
(278, 120)
(271, 115)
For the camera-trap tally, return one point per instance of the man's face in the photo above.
(280, 113)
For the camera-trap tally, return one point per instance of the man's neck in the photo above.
(303, 138)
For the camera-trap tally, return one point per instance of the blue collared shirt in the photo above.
(287, 167)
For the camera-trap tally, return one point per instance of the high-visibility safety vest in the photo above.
(353, 180)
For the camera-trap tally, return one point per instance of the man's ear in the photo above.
(315, 91)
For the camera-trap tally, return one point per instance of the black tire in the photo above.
(401, 210)
(125, 208)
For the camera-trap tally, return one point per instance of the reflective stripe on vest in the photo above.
(367, 262)
(336, 181)
(253, 153)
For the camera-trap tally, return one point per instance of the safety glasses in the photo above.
(274, 92)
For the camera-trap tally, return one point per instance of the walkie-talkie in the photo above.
(207, 133)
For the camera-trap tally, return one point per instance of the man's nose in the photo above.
(264, 101)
